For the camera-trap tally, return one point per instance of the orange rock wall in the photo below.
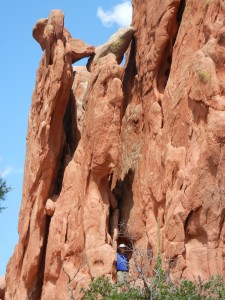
(173, 134)
(142, 144)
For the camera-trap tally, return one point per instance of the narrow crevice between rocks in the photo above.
(124, 195)
(181, 11)
(129, 75)
(187, 221)
(222, 221)
(72, 138)
(36, 294)
(63, 162)
(70, 124)
(163, 70)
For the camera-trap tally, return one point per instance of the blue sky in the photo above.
(92, 21)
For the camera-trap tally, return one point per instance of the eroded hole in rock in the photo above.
(81, 62)
(193, 228)
(163, 70)
(99, 263)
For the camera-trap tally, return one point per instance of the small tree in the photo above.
(4, 190)
(155, 285)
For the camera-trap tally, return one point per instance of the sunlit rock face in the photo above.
(141, 143)
(172, 151)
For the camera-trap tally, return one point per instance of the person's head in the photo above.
(122, 248)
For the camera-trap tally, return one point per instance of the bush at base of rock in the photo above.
(102, 288)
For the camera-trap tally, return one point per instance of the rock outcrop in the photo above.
(142, 144)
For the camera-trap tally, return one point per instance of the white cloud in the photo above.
(6, 171)
(10, 170)
(121, 14)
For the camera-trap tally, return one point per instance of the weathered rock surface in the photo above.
(172, 134)
(142, 144)
(2, 287)
(117, 44)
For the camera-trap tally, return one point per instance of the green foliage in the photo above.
(102, 288)
(214, 288)
(161, 289)
(4, 189)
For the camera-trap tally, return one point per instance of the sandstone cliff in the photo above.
(139, 143)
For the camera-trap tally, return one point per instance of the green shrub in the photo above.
(102, 288)
(4, 189)
(161, 289)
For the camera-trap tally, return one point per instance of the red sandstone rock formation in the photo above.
(173, 133)
(139, 144)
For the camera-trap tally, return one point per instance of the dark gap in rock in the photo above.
(163, 70)
(63, 162)
(181, 10)
(72, 138)
(222, 220)
(129, 75)
(49, 57)
(187, 220)
(124, 195)
(193, 229)
(40, 275)
(89, 61)
(65, 240)
(70, 124)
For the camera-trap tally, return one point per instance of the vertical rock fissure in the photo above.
(181, 11)
(129, 75)
(35, 291)
(70, 144)
(124, 195)
(42, 259)
(163, 70)
(70, 126)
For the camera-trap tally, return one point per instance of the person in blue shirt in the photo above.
(122, 264)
